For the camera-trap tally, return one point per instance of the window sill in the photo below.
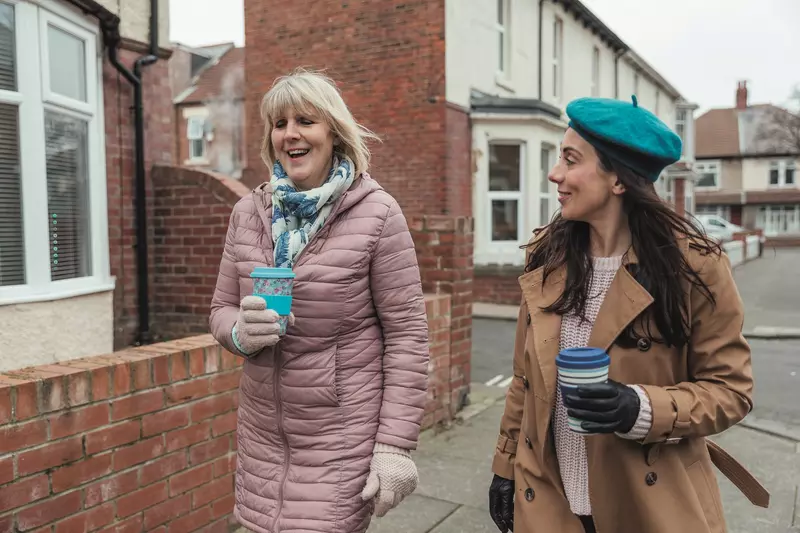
(196, 162)
(503, 82)
(61, 290)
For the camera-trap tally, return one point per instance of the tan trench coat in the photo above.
(666, 483)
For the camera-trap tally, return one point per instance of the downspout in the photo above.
(109, 25)
(541, 10)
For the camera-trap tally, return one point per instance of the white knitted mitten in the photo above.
(392, 477)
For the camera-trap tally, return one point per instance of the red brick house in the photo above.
(209, 108)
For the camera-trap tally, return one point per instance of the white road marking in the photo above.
(495, 380)
(506, 382)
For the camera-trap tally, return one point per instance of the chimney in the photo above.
(741, 95)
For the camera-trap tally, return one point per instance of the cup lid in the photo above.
(582, 354)
(272, 272)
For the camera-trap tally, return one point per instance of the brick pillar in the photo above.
(679, 199)
(444, 248)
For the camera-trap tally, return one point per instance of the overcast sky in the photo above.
(702, 47)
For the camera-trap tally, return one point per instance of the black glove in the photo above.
(501, 503)
(604, 407)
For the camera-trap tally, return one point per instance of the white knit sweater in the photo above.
(570, 446)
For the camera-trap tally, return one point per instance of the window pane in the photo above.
(500, 17)
(504, 167)
(67, 64)
(773, 176)
(790, 175)
(544, 184)
(708, 180)
(8, 74)
(68, 196)
(196, 149)
(501, 66)
(504, 220)
(12, 250)
(544, 211)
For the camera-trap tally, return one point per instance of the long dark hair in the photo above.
(662, 268)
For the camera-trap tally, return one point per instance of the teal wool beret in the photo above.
(626, 133)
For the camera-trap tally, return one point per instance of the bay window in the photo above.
(53, 219)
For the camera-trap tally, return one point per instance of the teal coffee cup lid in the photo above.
(272, 273)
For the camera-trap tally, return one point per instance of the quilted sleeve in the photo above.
(225, 302)
(397, 293)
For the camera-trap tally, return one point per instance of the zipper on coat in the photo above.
(286, 454)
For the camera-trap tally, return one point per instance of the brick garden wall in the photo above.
(191, 213)
(134, 441)
(498, 285)
(142, 439)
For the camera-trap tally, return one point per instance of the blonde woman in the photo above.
(329, 411)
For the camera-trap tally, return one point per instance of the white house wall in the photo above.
(28, 338)
(473, 48)
(135, 19)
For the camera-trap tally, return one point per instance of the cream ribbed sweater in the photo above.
(570, 446)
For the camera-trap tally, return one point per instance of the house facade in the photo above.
(68, 171)
(747, 175)
(513, 84)
(208, 95)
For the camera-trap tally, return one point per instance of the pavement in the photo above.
(455, 471)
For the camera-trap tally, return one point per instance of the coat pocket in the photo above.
(310, 379)
(708, 495)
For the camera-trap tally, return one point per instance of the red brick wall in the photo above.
(141, 440)
(498, 285)
(680, 196)
(159, 128)
(388, 58)
(191, 213)
(444, 249)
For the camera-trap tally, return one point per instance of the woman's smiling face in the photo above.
(303, 144)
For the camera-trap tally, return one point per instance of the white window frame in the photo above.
(782, 166)
(710, 166)
(558, 59)
(507, 248)
(552, 190)
(504, 39)
(595, 91)
(680, 127)
(34, 98)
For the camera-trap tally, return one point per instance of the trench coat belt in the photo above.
(738, 475)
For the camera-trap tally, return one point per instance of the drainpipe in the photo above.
(109, 25)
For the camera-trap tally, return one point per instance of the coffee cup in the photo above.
(274, 285)
(580, 366)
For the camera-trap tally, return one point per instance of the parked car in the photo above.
(718, 228)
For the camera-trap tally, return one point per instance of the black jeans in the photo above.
(588, 524)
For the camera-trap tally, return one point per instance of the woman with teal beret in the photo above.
(619, 271)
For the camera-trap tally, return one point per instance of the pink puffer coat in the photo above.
(350, 372)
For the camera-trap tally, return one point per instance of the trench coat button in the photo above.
(525, 383)
(528, 320)
(651, 478)
(528, 443)
(643, 344)
(529, 494)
